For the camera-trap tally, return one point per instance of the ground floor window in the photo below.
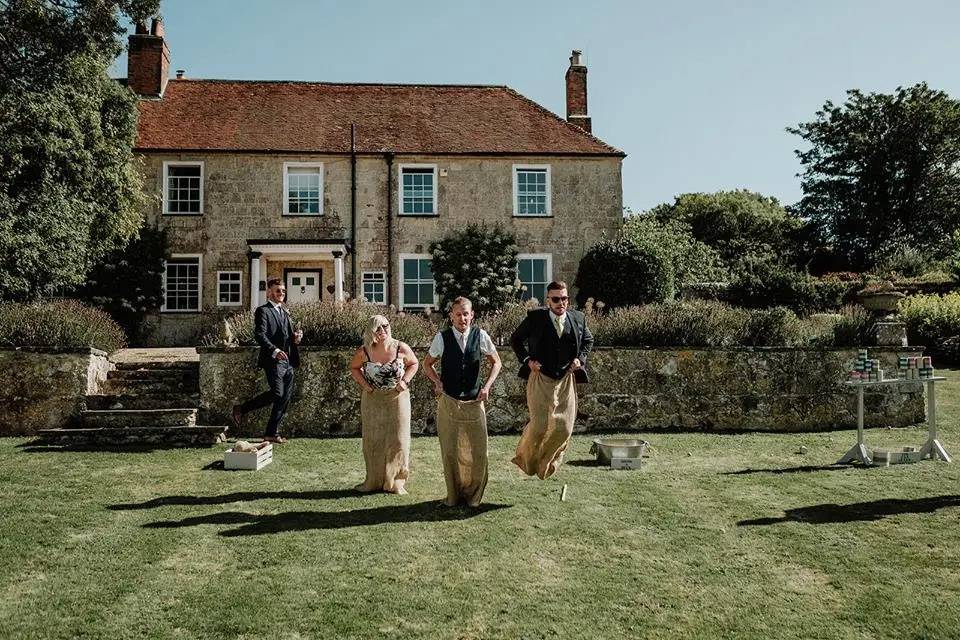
(228, 288)
(416, 284)
(535, 272)
(182, 284)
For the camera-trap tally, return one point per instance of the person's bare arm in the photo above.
(495, 365)
(356, 371)
(410, 363)
(431, 373)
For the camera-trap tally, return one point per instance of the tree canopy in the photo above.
(880, 173)
(69, 190)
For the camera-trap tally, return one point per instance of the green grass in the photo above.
(153, 544)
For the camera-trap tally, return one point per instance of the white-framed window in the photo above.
(229, 288)
(418, 189)
(374, 286)
(182, 283)
(303, 188)
(417, 289)
(531, 190)
(182, 188)
(535, 271)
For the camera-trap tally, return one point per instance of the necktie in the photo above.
(558, 321)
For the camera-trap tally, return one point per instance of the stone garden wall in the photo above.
(760, 388)
(44, 388)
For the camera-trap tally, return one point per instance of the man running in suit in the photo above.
(279, 356)
(552, 344)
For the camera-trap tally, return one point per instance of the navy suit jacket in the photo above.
(528, 340)
(271, 334)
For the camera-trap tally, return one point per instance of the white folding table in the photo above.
(932, 449)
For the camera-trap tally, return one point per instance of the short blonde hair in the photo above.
(370, 333)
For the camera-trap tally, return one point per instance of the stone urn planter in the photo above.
(881, 299)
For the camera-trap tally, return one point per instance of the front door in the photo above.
(303, 286)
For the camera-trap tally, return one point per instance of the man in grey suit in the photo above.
(552, 346)
(279, 356)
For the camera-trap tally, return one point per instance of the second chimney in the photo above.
(148, 60)
(577, 93)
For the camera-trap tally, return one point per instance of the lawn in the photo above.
(733, 536)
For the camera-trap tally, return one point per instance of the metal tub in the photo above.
(609, 448)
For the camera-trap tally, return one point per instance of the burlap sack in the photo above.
(385, 419)
(462, 428)
(553, 410)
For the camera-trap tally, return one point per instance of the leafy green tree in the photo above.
(620, 273)
(69, 190)
(881, 171)
(737, 225)
(477, 262)
(128, 282)
(692, 260)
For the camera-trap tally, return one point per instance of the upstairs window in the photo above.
(182, 188)
(531, 190)
(302, 189)
(418, 189)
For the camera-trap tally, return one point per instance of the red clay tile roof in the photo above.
(306, 117)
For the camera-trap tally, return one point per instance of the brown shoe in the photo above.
(275, 439)
(237, 416)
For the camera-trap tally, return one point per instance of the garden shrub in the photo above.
(332, 324)
(58, 323)
(692, 260)
(500, 324)
(771, 284)
(930, 319)
(619, 273)
(854, 328)
(488, 277)
(777, 326)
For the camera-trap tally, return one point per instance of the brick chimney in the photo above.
(577, 93)
(148, 60)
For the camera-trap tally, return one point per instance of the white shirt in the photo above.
(486, 344)
(277, 311)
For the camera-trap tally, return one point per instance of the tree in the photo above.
(128, 282)
(691, 259)
(738, 225)
(619, 273)
(488, 277)
(881, 172)
(69, 190)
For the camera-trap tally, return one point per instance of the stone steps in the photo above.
(159, 375)
(158, 366)
(143, 401)
(149, 386)
(134, 418)
(171, 436)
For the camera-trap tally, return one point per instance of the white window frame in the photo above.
(436, 189)
(199, 257)
(401, 281)
(238, 303)
(386, 285)
(286, 187)
(166, 184)
(548, 273)
(516, 191)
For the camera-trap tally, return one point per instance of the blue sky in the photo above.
(697, 93)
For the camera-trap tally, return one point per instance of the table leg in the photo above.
(859, 450)
(933, 448)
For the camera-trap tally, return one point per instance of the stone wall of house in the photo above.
(44, 388)
(243, 200)
(763, 389)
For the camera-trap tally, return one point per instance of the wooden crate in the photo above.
(248, 460)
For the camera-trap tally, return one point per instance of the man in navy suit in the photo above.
(552, 346)
(279, 356)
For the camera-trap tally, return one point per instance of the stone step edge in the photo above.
(134, 430)
(127, 412)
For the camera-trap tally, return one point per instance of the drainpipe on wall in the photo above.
(389, 159)
(353, 211)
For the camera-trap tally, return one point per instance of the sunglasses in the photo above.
(559, 299)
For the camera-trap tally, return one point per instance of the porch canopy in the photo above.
(273, 258)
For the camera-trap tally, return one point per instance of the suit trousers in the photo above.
(278, 393)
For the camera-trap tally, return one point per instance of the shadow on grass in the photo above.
(802, 469)
(259, 524)
(858, 511)
(239, 496)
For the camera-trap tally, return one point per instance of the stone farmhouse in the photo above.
(340, 188)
